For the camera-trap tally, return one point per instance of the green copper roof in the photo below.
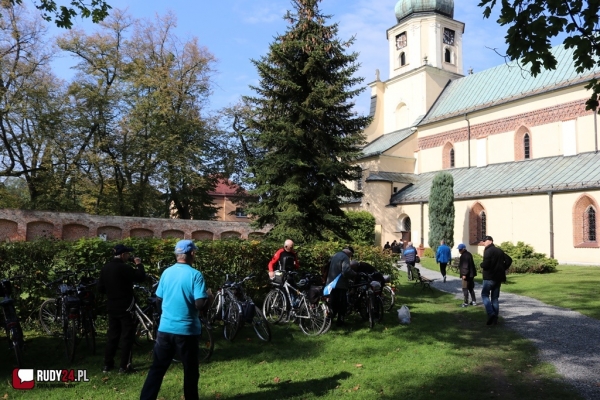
(541, 175)
(404, 8)
(502, 84)
(385, 142)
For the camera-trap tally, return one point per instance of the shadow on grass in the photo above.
(286, 389)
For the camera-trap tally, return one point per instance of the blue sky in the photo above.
(236, 31)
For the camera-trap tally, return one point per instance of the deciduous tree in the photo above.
(532, 23)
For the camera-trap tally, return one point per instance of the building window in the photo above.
(589, 225)
(402, 59)
(448, 159)
(526, 146)
(401, 41)
(482, 228)
(240, 212)
(406, 225)
(358, 184)
(447, 56)
(451, 158)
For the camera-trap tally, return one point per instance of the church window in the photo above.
(406, 224)
(402, 59)
(401, 41)
(589, 225)
(585, 222)
(451, 158)
(447, 56)
(526, 146)
(482, 225)
(359, 185)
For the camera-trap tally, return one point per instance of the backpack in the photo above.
(287, 263)
(507, 261)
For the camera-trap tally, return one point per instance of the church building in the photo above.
(523, 151)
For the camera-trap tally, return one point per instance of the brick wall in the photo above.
(18, 225)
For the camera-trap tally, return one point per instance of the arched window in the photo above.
(526, 152)
(585, 222)
(447, 56)
(589, 225)
(481, 226)
(402, 59)
(406, 224)
(477, 224)
(448, 156)
(451, 158)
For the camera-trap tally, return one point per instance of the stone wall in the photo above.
(18, 225)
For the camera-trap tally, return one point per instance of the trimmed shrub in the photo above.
(428, 252)
(526, 260)
(42, 260)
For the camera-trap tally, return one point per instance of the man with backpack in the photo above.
(285, 259)
(494, 266)
(337, 278)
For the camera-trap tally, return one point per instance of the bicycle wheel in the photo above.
(232, 316)
(16, 337)
(261, 325)
(71, 338)
(206, 344)
(389, 297)
(328, 319)
(51, 318)
(274, 306)
(312, 318)
(89, 332)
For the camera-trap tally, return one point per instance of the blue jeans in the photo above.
(489, 294)
(166, 346)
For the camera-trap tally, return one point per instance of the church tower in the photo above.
(425, 52)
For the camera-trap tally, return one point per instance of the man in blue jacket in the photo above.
(443, 255)
(410, 258)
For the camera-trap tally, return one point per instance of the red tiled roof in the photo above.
(225, 187)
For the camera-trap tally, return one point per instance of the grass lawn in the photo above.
(447, 352)
(572, 286)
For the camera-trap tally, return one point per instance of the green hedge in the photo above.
(40, 260)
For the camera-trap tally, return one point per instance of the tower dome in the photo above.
(404, 8)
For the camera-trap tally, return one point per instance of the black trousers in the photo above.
(166, 346)
(121, 328)
(338, 301)
(443, 268)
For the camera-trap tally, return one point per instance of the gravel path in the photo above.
(565, 338)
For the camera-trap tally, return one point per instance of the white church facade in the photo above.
(523, 151)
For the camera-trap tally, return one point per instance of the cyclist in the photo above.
(340, 266)
(181, 294)
(285, 259)
(116, 281)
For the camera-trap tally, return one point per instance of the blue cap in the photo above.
(461, 246)
(184, 247)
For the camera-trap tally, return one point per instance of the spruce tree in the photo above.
(441, 210)
(305, 128)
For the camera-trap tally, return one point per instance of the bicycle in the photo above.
(12, 326)
(286, 303)
(70, 314)
(225, 310)
(148, 320)
(250, 312)
(365, 299)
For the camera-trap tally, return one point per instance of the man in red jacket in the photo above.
(285, 259)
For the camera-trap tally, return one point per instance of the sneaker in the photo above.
(473, 303)
(107, 368)
(128, 370)
(465, 305)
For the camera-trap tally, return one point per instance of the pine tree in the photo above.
(441, 210)
(305, 129)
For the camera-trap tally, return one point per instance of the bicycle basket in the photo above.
(314, 294)
(248, 310)
(279, 278)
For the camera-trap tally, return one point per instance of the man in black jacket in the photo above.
(466, 266)
(116, 281)
(494, 266)
(340, 266)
